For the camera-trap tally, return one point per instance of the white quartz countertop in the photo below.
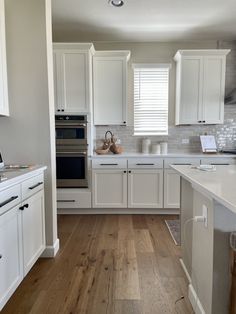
(171, 155)
(219, 185)
(13, 176)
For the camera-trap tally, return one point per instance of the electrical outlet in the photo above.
(205, 214)
(185, 141)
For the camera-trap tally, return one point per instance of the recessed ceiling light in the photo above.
(116, 3)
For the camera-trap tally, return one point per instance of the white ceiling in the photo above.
(144, 20)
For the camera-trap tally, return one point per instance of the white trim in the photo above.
(185, 270)
(51, 250)
(118, 211)
(151, 65)
(194, 300)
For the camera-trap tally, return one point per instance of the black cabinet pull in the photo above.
(0, 256)
(65, 201)
(9, 200)
(35, 186)
(141, 164)
(26, 205)
(129, 171)
(125, 171)
(22, 208)
(62, 110)
(58, 110)
(124, 122)
(217, 164)
(108, 164)
(181, 164)
(199, 121)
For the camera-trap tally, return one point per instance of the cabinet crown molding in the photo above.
(75, 46)
(201, 52)
(113, 53)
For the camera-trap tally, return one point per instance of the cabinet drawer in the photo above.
(181, 161)
(73, 199)
(218, 161)
(32, 186)
(109, 163)
(145, 163)
(10, 198)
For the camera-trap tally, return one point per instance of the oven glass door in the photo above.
(71, 134)
(71, 169)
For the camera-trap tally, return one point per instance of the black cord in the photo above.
(179, 299)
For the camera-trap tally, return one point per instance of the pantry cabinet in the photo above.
(4, 104)
(145, 188)
(11, 271)
(109, 188)
(110, 87)
(73, 78)
(200, 86)
(171, 189)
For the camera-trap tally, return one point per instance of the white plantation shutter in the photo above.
(151, 89)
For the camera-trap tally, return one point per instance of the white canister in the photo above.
(156, 149)
(164, 148)
(146, 142)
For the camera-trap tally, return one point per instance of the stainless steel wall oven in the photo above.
(71, 151)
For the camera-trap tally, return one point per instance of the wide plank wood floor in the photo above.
(107, 264)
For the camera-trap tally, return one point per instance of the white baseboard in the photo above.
(51, 250)
(194, 300)
(185, 270)
(117, 211)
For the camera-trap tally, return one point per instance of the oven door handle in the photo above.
(72, 153)
(70, 124)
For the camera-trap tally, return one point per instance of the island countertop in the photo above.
(219, 185)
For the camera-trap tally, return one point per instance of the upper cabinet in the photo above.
(73, 77)
(110, 87)
(200, 86)
(4, 105)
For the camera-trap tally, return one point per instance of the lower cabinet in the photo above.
(33, 229)
(145, 188)
(11, 270)
(171, 189)
(109, 188)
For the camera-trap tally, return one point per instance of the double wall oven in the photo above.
(71, 151)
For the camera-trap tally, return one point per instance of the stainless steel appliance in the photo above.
(71, 151)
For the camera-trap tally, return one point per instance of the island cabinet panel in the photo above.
(109, 188)
(145, 188)
(11, 270)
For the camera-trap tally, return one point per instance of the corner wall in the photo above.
(27, 136)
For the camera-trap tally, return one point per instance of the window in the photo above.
(151, 89)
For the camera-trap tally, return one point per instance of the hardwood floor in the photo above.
(107, 264)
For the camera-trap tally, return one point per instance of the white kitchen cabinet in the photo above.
(4, 104)
(171, 189)
(200, 86)
(145, 188)
(110, 87)
(11, 270)
(73, 78)
(109, 188)
(33, 229)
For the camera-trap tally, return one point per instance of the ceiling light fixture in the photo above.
(116, 3)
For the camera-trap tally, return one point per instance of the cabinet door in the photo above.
(109, 90)
(4, 105)
(213, 89)
(171, 189)
(109, 188)
(72, 81)
(145, 188)
(190, 97)
(11, 272)
(33, 229)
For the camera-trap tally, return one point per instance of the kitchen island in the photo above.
(205, 244)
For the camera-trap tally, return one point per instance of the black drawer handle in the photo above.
(176, 164)
(215, 164)
(108, 164)
(11, 199)
(145, 164)
(65, 201)
(35, 186)
(24, 206)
